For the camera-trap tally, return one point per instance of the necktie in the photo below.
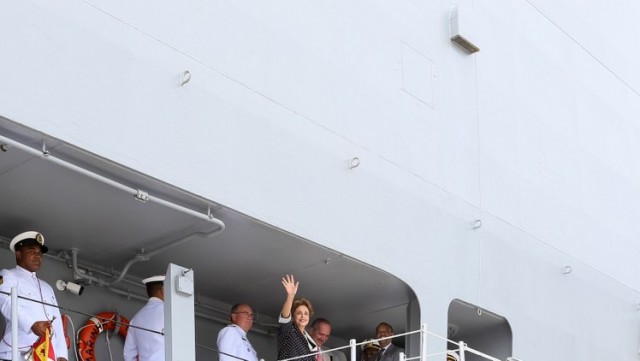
(318, 357)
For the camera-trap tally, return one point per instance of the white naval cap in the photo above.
(30, 237)
(159, 278)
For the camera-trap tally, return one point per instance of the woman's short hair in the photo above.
(301, 302)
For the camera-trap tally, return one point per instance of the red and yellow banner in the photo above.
(43, 348)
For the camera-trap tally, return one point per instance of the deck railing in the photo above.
(458, 353)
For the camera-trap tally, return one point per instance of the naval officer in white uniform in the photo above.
(232, 340)
(142, 344)
(33, 318)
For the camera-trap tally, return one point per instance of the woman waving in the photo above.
(293, 339)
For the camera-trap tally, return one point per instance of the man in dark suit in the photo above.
(388, 351)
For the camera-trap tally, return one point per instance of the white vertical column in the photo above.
(352, 349)
(179, 320)
(463, 350)
(14, 324)
(423, 342)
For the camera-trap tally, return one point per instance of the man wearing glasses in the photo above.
(233, 344)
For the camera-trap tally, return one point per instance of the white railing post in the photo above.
(423, 342)
(14, 324)
(352, 349)
(462, 346)
(402, 356)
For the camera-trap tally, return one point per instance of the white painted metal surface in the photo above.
(179, 319)
(536, 136)
(15, 352)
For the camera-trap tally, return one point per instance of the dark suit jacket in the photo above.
(392, 353)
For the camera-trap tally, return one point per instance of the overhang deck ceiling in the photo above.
(243, 263)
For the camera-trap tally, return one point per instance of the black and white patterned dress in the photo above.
(293, 343)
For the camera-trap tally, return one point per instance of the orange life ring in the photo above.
(89, 333)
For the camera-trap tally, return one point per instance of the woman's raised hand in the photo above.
(290, 284)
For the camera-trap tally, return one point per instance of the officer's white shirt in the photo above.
(145, 345)
(29, 286)
(233, 341)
